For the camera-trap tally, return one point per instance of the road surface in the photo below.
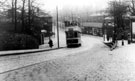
(91, 62)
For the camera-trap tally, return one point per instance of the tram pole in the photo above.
(57, 27)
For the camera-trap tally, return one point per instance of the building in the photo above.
(110, 29)
(45, 24)
(92, 28)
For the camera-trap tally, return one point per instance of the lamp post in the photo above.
(57, 27)
(29, 12)
(15, 15)
(131, 28)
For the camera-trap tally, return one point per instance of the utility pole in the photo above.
(12, 11)
(57, 27)
(29, 8)
(72, 16)
(15, 14)
(87, 15)
(131, 29)
(115, 21)
(121, 24)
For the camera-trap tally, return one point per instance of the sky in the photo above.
(50, 5)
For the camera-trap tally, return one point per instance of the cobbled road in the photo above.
(95, 63)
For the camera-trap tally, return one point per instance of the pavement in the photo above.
(62, 40)
(55, 43)
(43, 47)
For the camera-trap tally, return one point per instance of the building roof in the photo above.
(92, 24)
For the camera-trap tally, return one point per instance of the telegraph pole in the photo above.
(57, 27)
(29, 8)
(12, 11)
(15, 15)
(121, 24)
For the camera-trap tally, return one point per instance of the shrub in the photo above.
(11, 41)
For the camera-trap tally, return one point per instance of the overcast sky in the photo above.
(50, 5)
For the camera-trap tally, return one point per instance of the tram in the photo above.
(73, 33)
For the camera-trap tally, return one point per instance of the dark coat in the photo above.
(50, 43)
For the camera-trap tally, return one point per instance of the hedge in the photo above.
(15, 41)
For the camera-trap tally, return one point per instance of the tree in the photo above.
(25, 16)
(118, 10)
(12, 11)
(132, 7)
(23, 12)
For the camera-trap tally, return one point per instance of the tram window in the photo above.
(79, 35)
(69, 35)
(75, 34)
(72, 34)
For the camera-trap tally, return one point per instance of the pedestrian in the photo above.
(50, 43)
(122, 39)
(129, 38)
